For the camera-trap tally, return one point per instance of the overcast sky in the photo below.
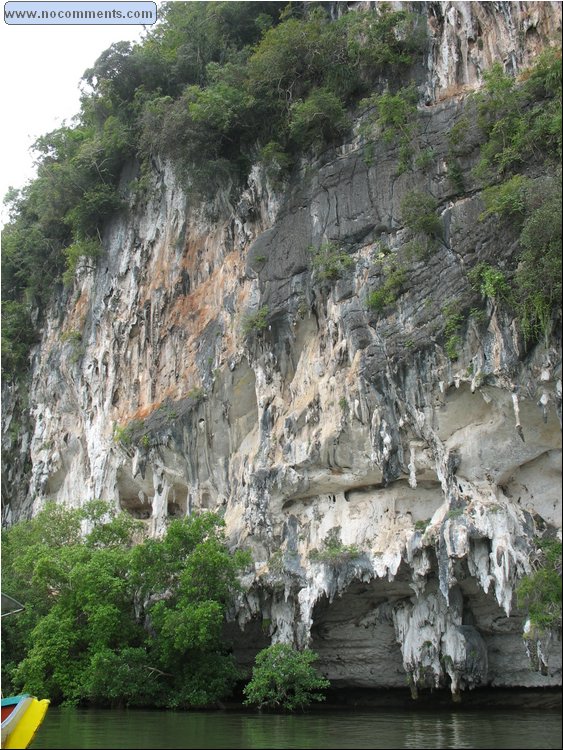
(41, 67)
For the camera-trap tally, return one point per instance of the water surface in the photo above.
(88, 729)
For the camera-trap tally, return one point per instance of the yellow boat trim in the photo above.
(27, 726)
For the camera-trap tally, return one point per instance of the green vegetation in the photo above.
(275, 162)
(74, 338)
(396, 121)
(210, 86)
(521, 124)
(333, 552)
(123, 434)
(538, 277)
(540, 592)
(285, 678)
(422, 525)
(425, 159)
(418, 210)
(319, 119)
(506, 199)
(256, 322)
(389, 292)
(453, 320)
(145, 441)
(82, 250)
(533, 207)
(108, 622)
(329, 262)
(344, 405)
(18, 336)
(491, 282)
(197, 395)
(455, 174)
(455, 513)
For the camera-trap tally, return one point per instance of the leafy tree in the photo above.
(285, 678)
(18, 335)
(320, 118)
(418, 210)
(108, 622)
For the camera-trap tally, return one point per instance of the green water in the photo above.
(80, 728)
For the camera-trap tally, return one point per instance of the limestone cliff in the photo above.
(389, 492)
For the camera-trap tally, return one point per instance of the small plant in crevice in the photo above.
(276, 563)
(455, 174)
(197, 395)
(453, 320)
(390, 290)
(418, 211)
(369, 154)
(145, 442)
(478, 316)
(344, 405)
(422, 525)
(490, 282)
(330, 262)
(256, 322)
(122, 435)
(458, 140)
(425, 159)
(333, 551)
(131, 435)
(74, 338)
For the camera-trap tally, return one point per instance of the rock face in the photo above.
(389, 494)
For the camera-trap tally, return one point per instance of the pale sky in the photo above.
(40, 68)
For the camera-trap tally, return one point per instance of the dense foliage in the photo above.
(110, 622)
(521, 124)
(285, 678)
(540, 592)
(214, 87)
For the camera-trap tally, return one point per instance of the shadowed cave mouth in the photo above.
(136, 497)
(355, 638)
